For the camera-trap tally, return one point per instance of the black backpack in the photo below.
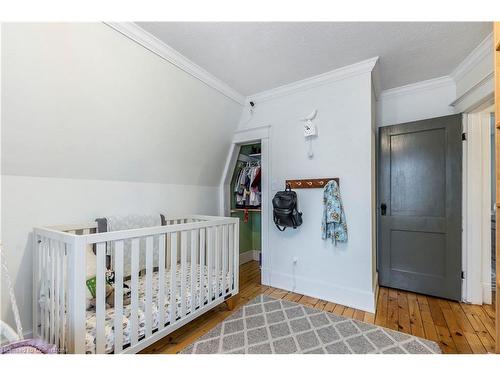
(285, 212)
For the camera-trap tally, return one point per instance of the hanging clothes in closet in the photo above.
(247, 187)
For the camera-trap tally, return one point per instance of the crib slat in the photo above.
(57, 281)
(236, 242)
(161, 282)
(183, 272)
(100, 298)
(167, 239)
(202, 267)
(134, 310)
(52, 244)
(210, 265)
(231, 256)
(217, 252)
(45, 289)
(224, 259)
(149, 285)
(173, 278)
(118, 296)
(64, 286)
(194, 268)
(36, 272)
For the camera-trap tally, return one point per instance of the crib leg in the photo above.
(232, 302)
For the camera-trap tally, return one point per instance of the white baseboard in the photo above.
(249, 255)
(355, 298)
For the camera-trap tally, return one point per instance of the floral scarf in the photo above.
(334, 223)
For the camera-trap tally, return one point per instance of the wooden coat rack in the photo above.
(311, 183)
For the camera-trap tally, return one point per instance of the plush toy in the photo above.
(110, 282)
(109, 292)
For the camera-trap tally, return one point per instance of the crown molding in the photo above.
(485, 88)
(484, 49)
(365, 66)
(411, 88)
(155, 45)
(377, 80)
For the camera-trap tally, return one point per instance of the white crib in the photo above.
(202, 250)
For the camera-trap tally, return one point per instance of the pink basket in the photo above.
(30, 346)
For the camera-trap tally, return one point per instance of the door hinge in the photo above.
(464, 136)
(462, 275)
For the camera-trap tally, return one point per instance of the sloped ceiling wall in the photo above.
(84, 101)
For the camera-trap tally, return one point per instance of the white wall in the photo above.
(417, 101)
(344, 148)
(84, 101)
(93, 125)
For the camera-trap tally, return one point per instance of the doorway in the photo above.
(420, 206)
(256, 135)
(246, 201)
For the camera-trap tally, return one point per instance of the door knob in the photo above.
(383, 209)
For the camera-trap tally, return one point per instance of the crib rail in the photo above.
(173, 273)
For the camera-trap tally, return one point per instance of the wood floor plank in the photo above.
(416, 325)
(393, 310)
(359, 315)
(348, 312)
(485, 319)
(329, 307)
(456, 331)
(320, 305)
(293, 297)
(445, 341)
(278, 293)
(430, 331)
(339, 309)
(461, 318)
(403, 313)
(436, 313)
(479, 329)
(369, 318)
(381, 311)
(475, 343)
(308, 301)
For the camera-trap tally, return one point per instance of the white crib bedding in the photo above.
(90, 336)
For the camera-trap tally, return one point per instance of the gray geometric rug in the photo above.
(270, 326)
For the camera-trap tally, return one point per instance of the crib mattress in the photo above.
(90, 336)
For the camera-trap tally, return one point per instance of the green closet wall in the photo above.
(250, 232)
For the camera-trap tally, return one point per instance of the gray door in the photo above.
(420, 206)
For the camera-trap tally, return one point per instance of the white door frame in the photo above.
(476, 209)
(260, 134)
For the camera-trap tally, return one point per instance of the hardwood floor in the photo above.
(456, 327)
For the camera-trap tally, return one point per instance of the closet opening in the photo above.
(245, 197)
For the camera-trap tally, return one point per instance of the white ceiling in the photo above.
(255, 56)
